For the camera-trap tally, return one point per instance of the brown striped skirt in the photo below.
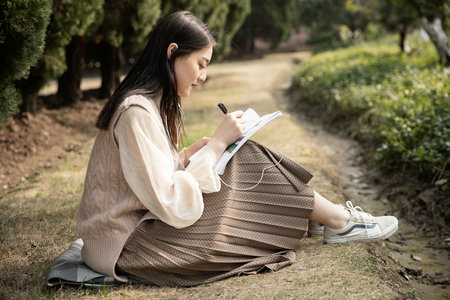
(244, 228)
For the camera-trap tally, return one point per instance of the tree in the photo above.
(120, 27)
(126, 22)
(357, 15)
(395, 16)
(68, 19)
(336, 20)
(272, 21)
(323, 17)
(69, 83)
(22, 38)
(433, 15)
(224, 18)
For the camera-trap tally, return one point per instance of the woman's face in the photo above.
(191, 70)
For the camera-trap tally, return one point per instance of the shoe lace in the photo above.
(357, 211)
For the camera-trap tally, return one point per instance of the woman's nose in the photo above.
(202, 76)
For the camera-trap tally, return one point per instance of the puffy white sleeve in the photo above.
(174, 196)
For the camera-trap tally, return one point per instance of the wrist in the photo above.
(217, 146)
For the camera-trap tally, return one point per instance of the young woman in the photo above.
(150, 214)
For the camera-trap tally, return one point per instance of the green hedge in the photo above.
(401, 101)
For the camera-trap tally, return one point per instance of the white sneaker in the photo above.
(362, 227)
(315, 228)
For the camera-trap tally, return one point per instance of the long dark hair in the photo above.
(153, 74)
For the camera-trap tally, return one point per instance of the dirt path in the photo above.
(38, 218)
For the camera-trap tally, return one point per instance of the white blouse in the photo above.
(154, 172)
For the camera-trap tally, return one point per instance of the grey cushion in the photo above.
(69, 269)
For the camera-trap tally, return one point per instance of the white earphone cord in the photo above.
(262, 174)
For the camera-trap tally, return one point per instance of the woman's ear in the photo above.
(172, 47)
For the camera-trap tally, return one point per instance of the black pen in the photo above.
(222, 108)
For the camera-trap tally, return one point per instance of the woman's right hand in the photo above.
(231, 129)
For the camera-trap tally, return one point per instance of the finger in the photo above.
(237, 113)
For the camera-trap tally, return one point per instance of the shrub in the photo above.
(401, 101)
(22, 40)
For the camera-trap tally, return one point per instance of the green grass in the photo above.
(398, 103)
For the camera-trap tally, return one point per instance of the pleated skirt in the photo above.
(250, 225)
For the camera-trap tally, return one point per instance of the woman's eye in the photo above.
(201, 67)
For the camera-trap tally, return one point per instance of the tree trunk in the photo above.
(249, 41)
(251, 46)
(110, 69)
(29, 88)
(439, 38)
(403, 42)
(69, 91)
(29, 103)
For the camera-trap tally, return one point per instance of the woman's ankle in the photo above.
(340, 221)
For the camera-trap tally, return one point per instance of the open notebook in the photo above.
(253, 122)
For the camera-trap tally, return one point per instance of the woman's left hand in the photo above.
(197, 145)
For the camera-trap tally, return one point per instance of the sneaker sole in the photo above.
(388, 232)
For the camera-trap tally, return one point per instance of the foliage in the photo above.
(430, 9)
(332, 21)
(433, 16)
(223, 17)
(22, 36)
(339, 22)
(394, 13)
(272, 21)
(401, 102)
(128, 23)
(70, 17)
(122, 25)
(230, 16)
(357, 15)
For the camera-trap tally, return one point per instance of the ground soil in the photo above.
(30, 143)
(39, 151)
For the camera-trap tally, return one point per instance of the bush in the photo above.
(22, 39)
(401, 101)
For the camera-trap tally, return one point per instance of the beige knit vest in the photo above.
(109, 210)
